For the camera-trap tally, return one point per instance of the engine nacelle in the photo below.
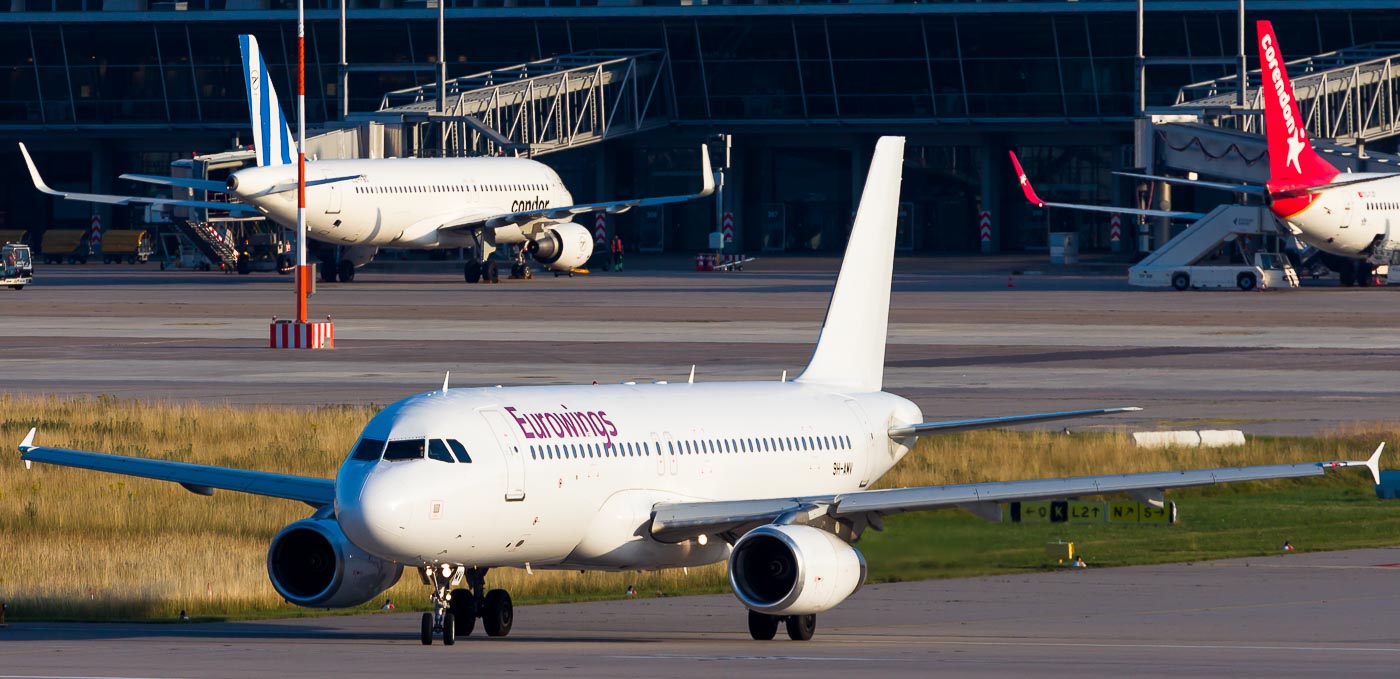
(794, 570)
(311, 563)
(563, 247)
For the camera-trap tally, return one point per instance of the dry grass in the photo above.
(76, 544)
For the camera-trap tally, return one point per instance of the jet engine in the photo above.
(794, 570)
(311, 563)
(563, 247)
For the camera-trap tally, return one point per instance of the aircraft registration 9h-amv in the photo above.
(771, 476)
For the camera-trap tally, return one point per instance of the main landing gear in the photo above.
(455, 611)
(764, 627)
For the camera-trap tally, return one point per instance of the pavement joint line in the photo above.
(758, 658)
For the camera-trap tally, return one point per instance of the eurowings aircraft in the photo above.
(773, 476)
(1346, 215)
(363, 205)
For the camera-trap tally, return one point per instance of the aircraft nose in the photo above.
(376, 510)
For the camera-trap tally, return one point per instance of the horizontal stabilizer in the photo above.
(950, 426)
(182, 182)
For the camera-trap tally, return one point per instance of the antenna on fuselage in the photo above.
(444, 381)
(784, 377)
(692, 375)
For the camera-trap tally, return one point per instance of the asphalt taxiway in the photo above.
(962, 343)
(1298, 614)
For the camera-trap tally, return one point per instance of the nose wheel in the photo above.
(455, 611)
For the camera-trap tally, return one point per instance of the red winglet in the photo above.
(1025, 183)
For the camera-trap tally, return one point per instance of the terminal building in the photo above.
(97, 88)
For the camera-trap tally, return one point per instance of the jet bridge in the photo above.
(1347, 98)
(533, 108)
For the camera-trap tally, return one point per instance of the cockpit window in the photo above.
(437, 450)
(404, 450)
(368, 450)
(460, 450)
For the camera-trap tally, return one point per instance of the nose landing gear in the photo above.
(455, 611)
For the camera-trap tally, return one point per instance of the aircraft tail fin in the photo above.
(851, 350)
(1292, 161)
(272, 139)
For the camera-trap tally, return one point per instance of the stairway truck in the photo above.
(130, 246)
(16, 266)
(65, 245)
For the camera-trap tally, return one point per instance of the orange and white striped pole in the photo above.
(303, 271)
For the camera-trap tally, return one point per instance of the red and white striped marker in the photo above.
(95, 237)
(1115, 228)
(600, 228)
(728, 227)
(298, 335)
(984, 231)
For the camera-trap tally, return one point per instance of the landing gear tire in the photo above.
(345, 271)
(497, 613)
(472, 272)
(492, 274)
(327, 273)
(449, 629)
(464, 610)
(801, 627)
(1347, 275)
(763, 627)
(1246, 281)
(427, 637)
(1181, 281)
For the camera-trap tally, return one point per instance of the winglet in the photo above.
(34, 173)
(707, 175)
(1025, 182)
(26, 445)
(1372, 463)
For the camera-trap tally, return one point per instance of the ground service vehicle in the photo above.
(16, 266)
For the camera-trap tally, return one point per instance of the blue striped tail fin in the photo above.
(271, 137)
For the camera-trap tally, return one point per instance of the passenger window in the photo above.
(437, 450)
(368, 450)
(459, 450)
(404, 450)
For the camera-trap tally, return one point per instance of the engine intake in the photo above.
(311, 563)
(563, 247)
(794, 570)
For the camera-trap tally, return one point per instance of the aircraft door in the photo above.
(660, 455)
(333, 202)
(863, 444)
(671, 453)
(1346, 214)
(510, 451)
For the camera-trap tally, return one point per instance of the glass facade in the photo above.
(805, 87)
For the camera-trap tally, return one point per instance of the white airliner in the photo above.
(364, 205)
(1347, 215)
(772, 476)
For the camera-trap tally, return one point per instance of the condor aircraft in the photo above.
(1354, 217)
(364, 205)
(772, 476)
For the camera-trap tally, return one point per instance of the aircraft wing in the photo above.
(614, 207)
(683, 521)
(949, 426)
(1035, 200)
(196, 478)
(125, 200)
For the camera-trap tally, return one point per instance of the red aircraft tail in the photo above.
(1292, 161)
